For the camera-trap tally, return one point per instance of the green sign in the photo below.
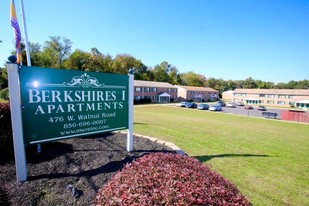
(58, 104)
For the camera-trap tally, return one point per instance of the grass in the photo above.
(268, 160)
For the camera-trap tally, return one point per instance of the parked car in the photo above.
(215, 107)
(262, 108)
(231, 104)
(221, 103)
(191, 105)
(240, 104)
(203, 106)
(248, 106)
(182, 104)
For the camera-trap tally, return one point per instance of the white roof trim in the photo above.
(303, 101)
(254, 99)
(164, 95)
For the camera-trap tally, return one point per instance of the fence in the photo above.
(295, 115)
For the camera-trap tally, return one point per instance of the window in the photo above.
(146, 89)
(169, 90)
(261, 101)
(138, 89)
(290, 96)
(281, 96)
(262, 95)
(281, 102)
(270, 102)
(291, 103)
(154, 89)
(271, 96)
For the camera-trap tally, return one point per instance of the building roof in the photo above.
(229, 91)
(140, 83)
(191, 88)
(274, 91)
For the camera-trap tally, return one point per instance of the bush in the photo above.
(168, 179)
(6, 138)
(4, 94)
(142, 101)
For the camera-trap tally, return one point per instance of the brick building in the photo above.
(198, 94)
(156, 91)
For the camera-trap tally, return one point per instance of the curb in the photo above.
(169, 144)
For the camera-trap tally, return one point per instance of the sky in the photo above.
(229, 39)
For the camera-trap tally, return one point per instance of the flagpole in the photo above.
(25, 32)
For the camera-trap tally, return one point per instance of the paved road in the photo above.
(240, 110)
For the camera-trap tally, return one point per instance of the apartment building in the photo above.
(197, 94)
(272, 97)
(155, 91)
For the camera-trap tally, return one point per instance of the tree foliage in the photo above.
(57, 53)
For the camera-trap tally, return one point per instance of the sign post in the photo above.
(15, 104)
(130, 120)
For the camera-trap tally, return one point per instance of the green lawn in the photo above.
(268, 160)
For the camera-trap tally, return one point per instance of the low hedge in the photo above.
(142, 101)
(4, 94)
(168, 179)
(6, 137)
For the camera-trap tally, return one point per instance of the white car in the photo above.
(215, 108)
(231, 104)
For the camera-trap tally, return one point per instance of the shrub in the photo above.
(168, 179)
(4, 94)
(6, 138)
(142, 101)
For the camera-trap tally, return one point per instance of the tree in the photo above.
(3, 78)
(212, 83)
(223, 86)
(142, 73)
(304, 84)
(160, 72)
(261, 84)
(77, 60)
(123, 63)
(270, 85)
(174, 77)
(231, 85)
(193, 79)
(291, 84)
(56, 51)
(98, 62)
(281, 85)
(35, 54)
(249, 83)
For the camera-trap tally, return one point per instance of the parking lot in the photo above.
(240, 110)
